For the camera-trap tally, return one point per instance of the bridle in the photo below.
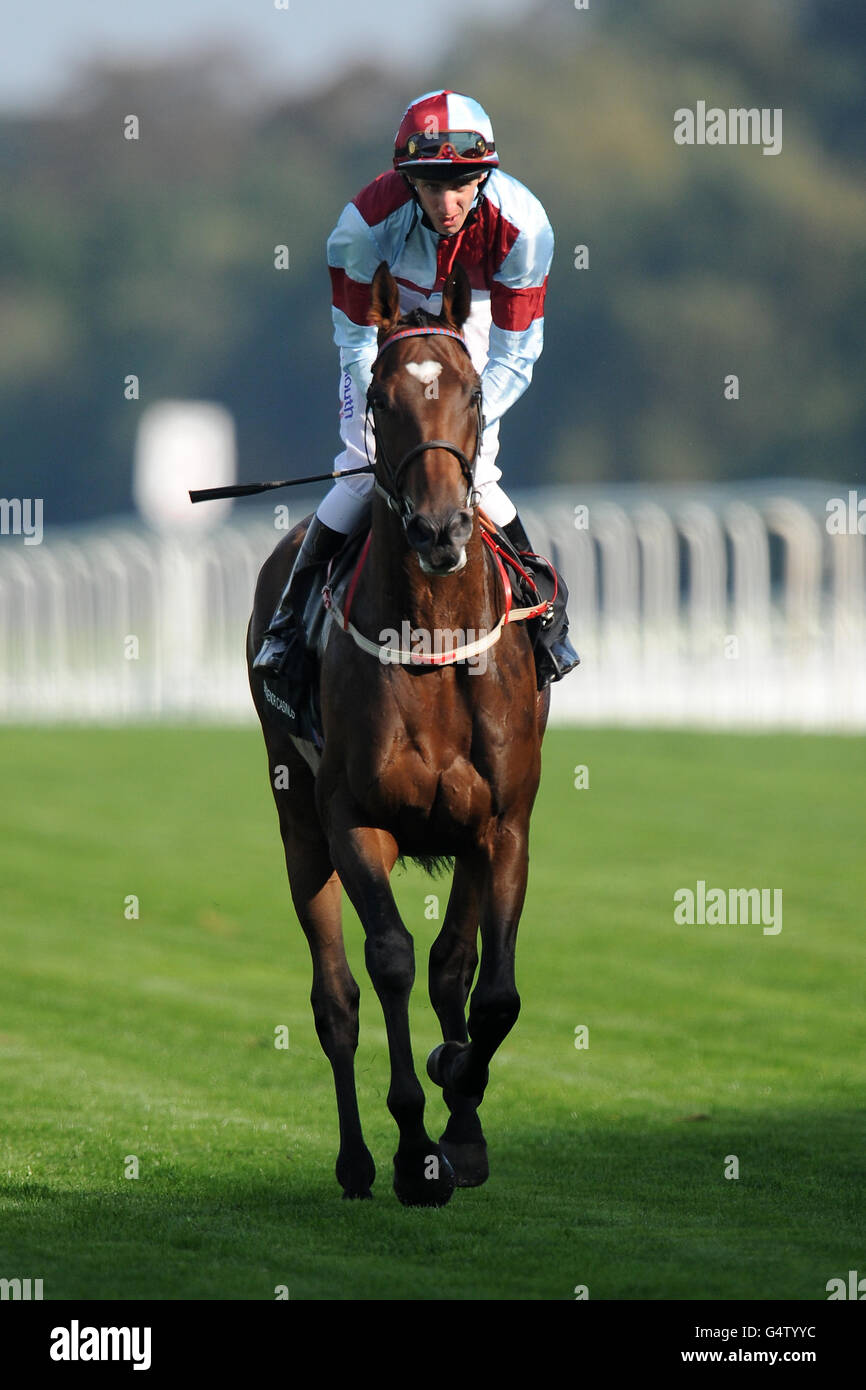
(398, 502)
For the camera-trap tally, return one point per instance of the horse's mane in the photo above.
(418, 318)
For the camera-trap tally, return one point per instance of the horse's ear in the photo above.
(385, 301)
(456, 297)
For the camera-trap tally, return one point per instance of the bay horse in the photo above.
(432, 761)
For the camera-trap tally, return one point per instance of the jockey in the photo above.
(446, 200)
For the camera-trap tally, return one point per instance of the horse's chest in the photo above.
(434, 770)
(444, 793)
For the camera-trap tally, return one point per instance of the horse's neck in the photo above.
(396, 589)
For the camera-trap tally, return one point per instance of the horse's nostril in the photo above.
(460, 527)
(420, 532)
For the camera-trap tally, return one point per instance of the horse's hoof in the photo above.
(441, 1060)
(356, 1174)
(469, 1162)
(424, 1179)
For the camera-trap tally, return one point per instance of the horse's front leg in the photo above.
(501, 866)
(364, 858)
(453, 960)
(334, 998)
(317, 897)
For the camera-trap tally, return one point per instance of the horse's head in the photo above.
(425, 397)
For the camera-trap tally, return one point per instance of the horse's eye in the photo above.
(377, 399)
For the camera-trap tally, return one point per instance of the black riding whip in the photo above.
(212, 494)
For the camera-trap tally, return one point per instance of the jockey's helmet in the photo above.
(444, 135)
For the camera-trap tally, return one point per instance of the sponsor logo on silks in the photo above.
(347, 406)
(277, 703)
(75, 1343)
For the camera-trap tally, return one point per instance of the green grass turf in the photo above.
(154, 1037)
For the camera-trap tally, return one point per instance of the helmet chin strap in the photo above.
(479, 187)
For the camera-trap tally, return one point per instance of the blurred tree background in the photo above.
(156, 256)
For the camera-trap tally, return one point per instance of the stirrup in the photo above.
(552, 663)
(274, 652)
(564, 657)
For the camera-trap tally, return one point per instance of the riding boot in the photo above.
(554, 654)
(320, 544)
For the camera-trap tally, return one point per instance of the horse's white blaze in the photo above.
(425, 372)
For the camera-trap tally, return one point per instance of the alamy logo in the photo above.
(737, 126)
(21, 1289)
(22, 516)
(75, 1343)
(856, 1288)
(441, 647)
(737, 906)
(846, 518)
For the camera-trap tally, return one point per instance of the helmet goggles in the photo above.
(452, 145)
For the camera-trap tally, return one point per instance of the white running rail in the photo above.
(711, 607)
